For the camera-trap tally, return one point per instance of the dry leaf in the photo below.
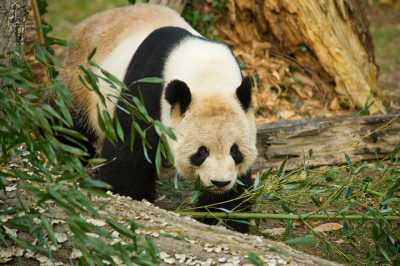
(334, 106)
(328, 227)
(304, 79)
(297, 222)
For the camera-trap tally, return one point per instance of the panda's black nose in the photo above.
(220, 183)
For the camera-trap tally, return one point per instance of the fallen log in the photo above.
(330, 137)
(179, 240)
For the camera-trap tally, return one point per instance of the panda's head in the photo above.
(215, 133)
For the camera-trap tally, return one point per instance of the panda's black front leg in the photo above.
(226, 201)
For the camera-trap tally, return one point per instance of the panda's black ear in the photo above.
(243, 93)
(177, 92)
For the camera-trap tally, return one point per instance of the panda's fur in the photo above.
(204, 99)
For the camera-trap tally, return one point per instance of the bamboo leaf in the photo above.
(280, 171)
(349, 191)
(347, 159)
(121, 229)
(158, 158)
(150, 80)
(145, 152)
(49, 230)
(315, 200)
(383, 251)
(120, 132)
(194, 197)
(266, 174)
(255, 259)
(386, 202)
(288, 186)
(132, 135)
(92, 53)
(301, 240)
(257, 180)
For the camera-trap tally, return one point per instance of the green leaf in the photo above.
(282, 167)
(49, 230)
(120, 132)
(113, 79)
(197, 185)
(395, 150)
(349, 191)
(266, 174)
(145, 152)
(150, 80)
(142, 134)
(132, 135)
(301, 240)
(347, 159)
(383, 251)
(168, 149)
(69, 132)
(315, 200)
(257, 180)
(255, 259)
(51, 41)
(238, 181)
(288, 186)
(165, 129)
(97, 160)
(92, 53)
(225, 210)
(158, 159)
(194, 197)
(310, 152)
(386, 202)
(121, 229)
(151, 248)
(3, 240)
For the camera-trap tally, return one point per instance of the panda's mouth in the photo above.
(219, 189)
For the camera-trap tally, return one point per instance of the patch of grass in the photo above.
(64, 15)
(386, 41)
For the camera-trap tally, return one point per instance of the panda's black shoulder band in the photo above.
(177, 92)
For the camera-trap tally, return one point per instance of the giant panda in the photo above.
(204, 99)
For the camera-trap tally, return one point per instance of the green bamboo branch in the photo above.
(224, 215)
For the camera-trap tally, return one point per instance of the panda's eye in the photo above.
(203, 150)
(234, 148)
(200, 156)
(236, 154)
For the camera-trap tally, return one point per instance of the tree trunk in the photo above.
(328, 40)
(330, 137)
(12, 27)
(178, 6)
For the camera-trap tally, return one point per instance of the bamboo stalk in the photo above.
(224, 215)
(38, 21)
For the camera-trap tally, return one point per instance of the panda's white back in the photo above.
(116, 34)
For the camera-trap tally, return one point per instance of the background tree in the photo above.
(327, 44)
(13, 15)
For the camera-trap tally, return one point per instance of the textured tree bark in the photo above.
(174, 4)
(192, 241)
(13, 15)
(329, 137)
(333, 35)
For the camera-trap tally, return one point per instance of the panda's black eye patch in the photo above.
(236, 154)
(200, 156)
